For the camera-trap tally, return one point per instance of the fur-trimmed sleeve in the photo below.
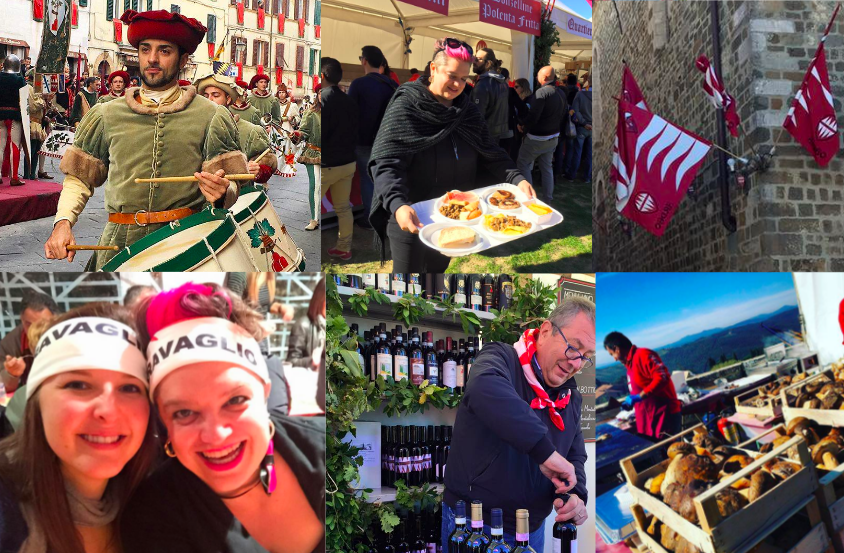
(222, 145)
(257, 143)
(87, 159)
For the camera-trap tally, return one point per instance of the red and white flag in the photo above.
(666, 159)
(811, 119)
(623, 147)
(720, 99)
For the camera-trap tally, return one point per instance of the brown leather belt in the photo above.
(144, 218)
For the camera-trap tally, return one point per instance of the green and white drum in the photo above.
(204, 241)
(264, 234)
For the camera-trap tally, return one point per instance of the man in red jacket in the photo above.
(652, 393)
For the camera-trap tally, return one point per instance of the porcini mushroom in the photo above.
(729, 501)
(783, 469)
(760, 482)
(831, 400)
(825, 452)
(680, 448)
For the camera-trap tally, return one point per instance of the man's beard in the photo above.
(164, 77)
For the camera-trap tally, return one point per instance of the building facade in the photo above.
(785, 218)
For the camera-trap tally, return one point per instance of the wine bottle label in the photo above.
(399, 287)
(384, 283)
(415, 288)
(369, 280)
(461, 377)
(417, 463)
(404, 465)
(401, 367)
(450, 374)
(433, 373)
(427, 461)
(391, 462)
(417, 371)
(385, 364)
(476, 300)
(460, 299)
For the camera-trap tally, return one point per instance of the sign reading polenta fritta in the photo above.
(518, 15)
(55, 38)
(437, 6)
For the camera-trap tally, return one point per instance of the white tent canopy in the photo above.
(819, 295)
(349, 25)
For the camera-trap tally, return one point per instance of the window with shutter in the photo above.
(318, 12)
(149, 5)
(125, 5)
(306, 12)
(255, 52)
(233, 2)
(109, 10)
(135, 5)
(297, 9)
(300, 58)
(279, 54)
(311, 62)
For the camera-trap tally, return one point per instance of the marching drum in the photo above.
(204, 241)
(263, 233)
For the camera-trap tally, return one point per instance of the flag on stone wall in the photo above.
(720, 98)
(623, 147)
(55, 37)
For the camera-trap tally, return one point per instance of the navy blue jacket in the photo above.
(13, 529)
(499, 441)
(372, 93)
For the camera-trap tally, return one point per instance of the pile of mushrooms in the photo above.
(826, 451)
(771, 390)
(698, 466)
(821, 393)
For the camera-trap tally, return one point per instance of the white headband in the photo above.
(203, 340)
(86, 343)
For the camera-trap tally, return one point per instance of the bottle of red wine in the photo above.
(419, 545)
(523, 532)
(383, 282)
(449, 369)
(404, 463)
(386, 443)
(427, 453)
(564, 535)
(387, 543)
(460, 290)
(432, 539)
(442, 286)
(394, 472)
(505, 292)
(446, 450)
(415, 476)
(400, 361)
(432, 366)
(475, 292)
(368, 280)
(403, 546)
(414, 284)
(436, 454)
(384, 356)
(457, 538)
(399, 284)
(469, 360)
(417, 361)
(496, 530)
(373, 351)
(461, 366)
(488, 292)
(478, 541)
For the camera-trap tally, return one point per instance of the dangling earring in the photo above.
(168, 449)
(267, 473)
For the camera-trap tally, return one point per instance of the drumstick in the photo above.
(79, 247)
(246, 176)
(265, 152)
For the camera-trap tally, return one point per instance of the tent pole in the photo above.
(405, 59)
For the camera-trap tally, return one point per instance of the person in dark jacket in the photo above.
(491, 94)
(15, 349)
(339, 138)
(11, 127)
(433, 139)
(372, 93)
(510, 450)
(239, 479)
(581, 113)
(542, 130)
(562, 163)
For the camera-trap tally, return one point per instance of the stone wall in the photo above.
(789, 217)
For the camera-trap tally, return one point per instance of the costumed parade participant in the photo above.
(290, 115)
(239, 478)
(242, 108)
(85, 99)
(311, 133)
(11, 127)
(254, 140)
(157, 130)
(117, 83)
(262, 100)
(38, 129)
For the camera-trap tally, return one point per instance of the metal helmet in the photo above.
(12, 64)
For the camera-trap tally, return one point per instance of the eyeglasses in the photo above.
(572, 353)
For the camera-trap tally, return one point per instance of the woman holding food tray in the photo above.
(433, 140)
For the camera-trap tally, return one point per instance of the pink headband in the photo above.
(166, 308)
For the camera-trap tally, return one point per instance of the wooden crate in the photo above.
(815, 541)
(750, 445)
(772, 408)
(825, 417)
(717, 535)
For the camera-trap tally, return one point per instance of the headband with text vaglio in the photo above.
(203, 340)
(86, 343)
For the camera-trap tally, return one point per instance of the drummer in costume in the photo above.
(289, 110)
(262, 100)
(242, 108)
(159, 130)
(254, 140)
(117, 82)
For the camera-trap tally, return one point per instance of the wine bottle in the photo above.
(373, 354)
(384, 355)
(488, 292)
(417, 362)
(460, 290)
(436, 453)
(564, 535)
(442, 285)
(399, 285)
(523, 532)
(446, 450)
(353, 333)
(461, 367)
(403, 464)
(399, 360)
(414, 284)
(469, 360)
(458, 537)
(394, 454)
(449, 368)
(432, 539)
(429, 292)
(426, 453)
(475, 294)
(355, 282)
(478, 541)
(414, 477)
(386, 443)
(403, 546)
(384, 283)
(505, 292)
(496, 530)
(419, 545)
(432, 366)
(387, 544)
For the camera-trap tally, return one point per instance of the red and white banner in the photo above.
(666, 160)
(720, 98)
(624, 146)
(812, 120)
(518, 15)
(437, 6)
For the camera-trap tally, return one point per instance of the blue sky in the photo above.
(581, 7)
(655, 309)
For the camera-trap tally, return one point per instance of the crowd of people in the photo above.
(442, 130)
(115, 440)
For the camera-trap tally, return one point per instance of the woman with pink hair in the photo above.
(432, 139)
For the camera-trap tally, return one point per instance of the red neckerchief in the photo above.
(526, 348)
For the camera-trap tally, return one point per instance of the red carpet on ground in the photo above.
(34, 200)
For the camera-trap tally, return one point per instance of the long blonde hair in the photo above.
(254, 281)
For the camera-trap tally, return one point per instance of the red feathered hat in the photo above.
(257, 78)
(183, 82)
(183, 31)
(242, 84)
(317, 87)
(123, 74)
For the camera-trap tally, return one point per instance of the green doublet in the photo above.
(122, 141)
(248, 113)
(266, 104)
(254, 140)
(107, 98)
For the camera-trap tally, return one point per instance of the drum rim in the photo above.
(255, 206)
(216, 239)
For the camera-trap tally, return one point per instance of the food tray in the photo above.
(745, 527)
(426, 212)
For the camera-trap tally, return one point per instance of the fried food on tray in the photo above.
(539, 209)
(456, 237)
(503, 199)
(506, 224)
(460, 210)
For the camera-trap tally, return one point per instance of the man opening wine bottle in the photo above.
(517, 440)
